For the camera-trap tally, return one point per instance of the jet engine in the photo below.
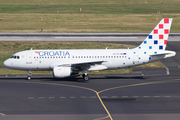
(60, 72)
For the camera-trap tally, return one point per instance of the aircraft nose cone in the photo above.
(6, 63)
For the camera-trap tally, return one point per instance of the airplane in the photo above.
(66, 62)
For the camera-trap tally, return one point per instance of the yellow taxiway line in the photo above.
(97, 93)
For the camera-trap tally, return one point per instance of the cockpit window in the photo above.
(15, 57)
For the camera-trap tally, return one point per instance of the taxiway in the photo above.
(155, 95)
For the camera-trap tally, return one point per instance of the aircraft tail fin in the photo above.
(157, 39)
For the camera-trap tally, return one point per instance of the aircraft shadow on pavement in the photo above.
(75, 78)
(92, 77)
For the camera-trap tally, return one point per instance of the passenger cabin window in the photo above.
(15, 57)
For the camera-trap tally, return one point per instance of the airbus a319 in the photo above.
(64, 63)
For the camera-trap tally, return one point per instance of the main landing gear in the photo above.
(29, 75)
(85, 77)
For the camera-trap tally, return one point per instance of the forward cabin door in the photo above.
(28, 58)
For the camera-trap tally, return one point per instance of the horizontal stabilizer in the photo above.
(165, 53)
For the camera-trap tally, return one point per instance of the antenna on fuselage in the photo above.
(31, 49)
(106, 48)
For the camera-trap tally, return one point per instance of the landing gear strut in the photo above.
(29, 75)
(85, 77)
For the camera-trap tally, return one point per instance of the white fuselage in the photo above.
(106, 58)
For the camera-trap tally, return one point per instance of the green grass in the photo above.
(96, 16)
(20, 72)
(96, 8)
(7, 49)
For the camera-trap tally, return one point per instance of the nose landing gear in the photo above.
(29, 75)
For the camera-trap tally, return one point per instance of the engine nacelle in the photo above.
(60, 72)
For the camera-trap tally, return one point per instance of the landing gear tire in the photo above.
(85, 77)
(29, 75)
(29, 78)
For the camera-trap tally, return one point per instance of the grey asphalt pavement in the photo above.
(129, 97)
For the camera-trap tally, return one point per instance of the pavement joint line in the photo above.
(83, 97)
(51, 97)
(108, 97)
(156, 96)
(103, 96)
(62, 97)
(30, 97)
(41, 97)
(114, 96)
(72, 97)
(125, 96)
(136, 96)
(93, 97)
(145, 96)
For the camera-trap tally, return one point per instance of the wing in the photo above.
(79, 66)
(88, 66)
(81, 63)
